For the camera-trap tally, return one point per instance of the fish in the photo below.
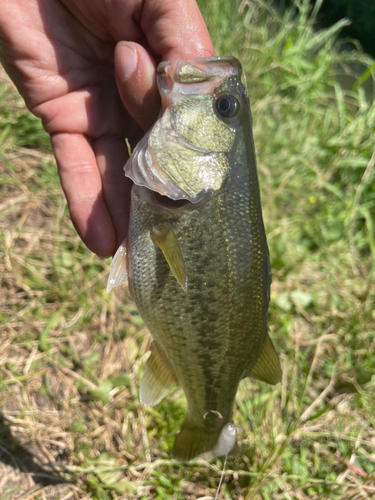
(196, 255)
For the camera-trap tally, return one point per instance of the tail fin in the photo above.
(195, 441)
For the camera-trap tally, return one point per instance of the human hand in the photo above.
(65, 59)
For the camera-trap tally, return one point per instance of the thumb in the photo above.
(135, 72)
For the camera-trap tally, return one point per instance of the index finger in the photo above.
(175, 29)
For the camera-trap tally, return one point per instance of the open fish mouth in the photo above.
(165, 203)
(206, 70)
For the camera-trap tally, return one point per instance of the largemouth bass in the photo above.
(196, 254)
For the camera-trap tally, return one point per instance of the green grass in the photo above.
(71, 356)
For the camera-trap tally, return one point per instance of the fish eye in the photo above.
(227, 105)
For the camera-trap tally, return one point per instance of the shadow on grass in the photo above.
(14, 454)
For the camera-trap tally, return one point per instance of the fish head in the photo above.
(185, 155)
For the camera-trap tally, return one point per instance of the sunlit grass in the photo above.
(71, 356)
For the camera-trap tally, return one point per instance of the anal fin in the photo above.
(166, 240)
(267, 368)
(158, 378)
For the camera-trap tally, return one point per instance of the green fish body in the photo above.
(196, 255)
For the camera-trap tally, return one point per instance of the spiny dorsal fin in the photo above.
(166, 240)
(267, 368)
(158, 378)
(119, 267)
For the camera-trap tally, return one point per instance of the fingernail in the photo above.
(126, 59)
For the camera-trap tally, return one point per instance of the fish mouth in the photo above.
(162, 202)
(206, 70)
(166, 202)
(147, 195)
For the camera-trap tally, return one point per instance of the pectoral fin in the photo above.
(158, 378)
(267, 368)
(119, 267)
(166, 240)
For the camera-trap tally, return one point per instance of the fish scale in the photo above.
(161, 308)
